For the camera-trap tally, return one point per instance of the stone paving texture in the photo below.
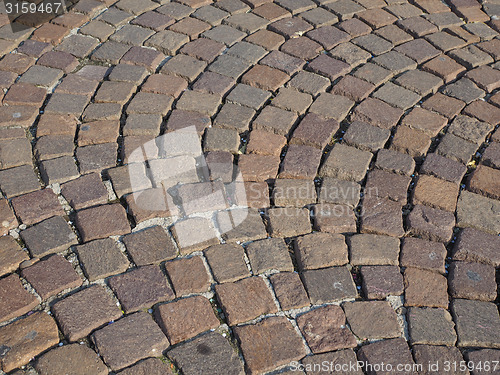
(362, 136)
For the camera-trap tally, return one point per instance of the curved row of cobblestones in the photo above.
(351, 155)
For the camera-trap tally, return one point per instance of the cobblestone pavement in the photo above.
(365, 132)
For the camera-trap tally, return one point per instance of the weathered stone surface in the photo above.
(483, 355)
(141, 288)
(262, 347)
(436, 193)
(150, 246)
(194, 234)
(431, 326)
(288, 221)
(182, 274)
(80, 313)
(372, 319)
(186, 318)
(101, 258)
(11, 255)
(431, 223)
(51, 276)
(152, 366)
(477, 323)
(102, 221)
(419, 253)
(15, 299)
(340, 359)
(334, 218)
(269, 254)
(138, 337)
(34, 207)
(324, 329)
(329, 284)
(381, 281)
(425, 288)
(476, 246)
(392, 352)
(227, 262)
(50, 236)
(245, 299)
(472, 281)
(318, 250)
(208, 354)
(26, 338)
(289, 290)
(372, 249)
(471, 209)
(440, 355)
(241, 225)
(75, 358)
(346, 163)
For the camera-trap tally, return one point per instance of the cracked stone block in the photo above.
(329, 284)
(372, 319)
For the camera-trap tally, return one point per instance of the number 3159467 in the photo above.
(25, 7)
